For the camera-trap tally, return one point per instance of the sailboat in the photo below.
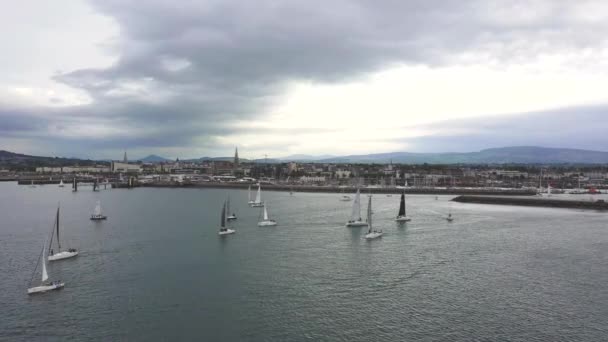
(72, 252)
(74, 185)
(401, 216)
(97, 215)
(32, 185)
(345, 198)
(61, 183)
(44, 284)
(355, 216)
(95, 185)
(449, 218)
(249, 201)
(230, 216)
(258, 198)
(267, 221)
(223, 229)
(371, 233)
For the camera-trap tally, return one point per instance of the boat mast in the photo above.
(57, 229)
(369, 215)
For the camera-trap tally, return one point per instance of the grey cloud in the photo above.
(576, 127)
(239, 54)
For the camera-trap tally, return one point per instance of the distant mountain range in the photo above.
(504, 155)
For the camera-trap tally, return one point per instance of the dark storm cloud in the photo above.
(576, 127)
(186, 69)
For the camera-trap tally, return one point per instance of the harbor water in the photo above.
(156, 270)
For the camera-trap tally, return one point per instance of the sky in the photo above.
(194, 78)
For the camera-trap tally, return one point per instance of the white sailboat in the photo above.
(258, 198)
(230, 216)
(249, 201)
(371, 233)
(32, 185)
(61, 184)
(97, 214)
(345, 198)
(44, 284)
(355, 216)
(401, 215)
(267, 222)
(224, 230)
(71, 252)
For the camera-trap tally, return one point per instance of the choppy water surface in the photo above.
(156, 270)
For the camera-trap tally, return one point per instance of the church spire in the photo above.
(236, 156)
(124, 158)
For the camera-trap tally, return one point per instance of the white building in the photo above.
(312, 179)
(125, 167)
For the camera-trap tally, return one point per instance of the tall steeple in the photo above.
(236, 157)
(124, 158)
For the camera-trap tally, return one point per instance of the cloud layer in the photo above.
(190, 74)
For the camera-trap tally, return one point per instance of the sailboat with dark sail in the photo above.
(224, 230)
(60, 255)
(401, 215)
(74, 185)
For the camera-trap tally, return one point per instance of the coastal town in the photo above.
(234, 171)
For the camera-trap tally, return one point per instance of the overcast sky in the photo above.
(195, 78)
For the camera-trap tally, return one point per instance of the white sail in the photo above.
(45, 275)
(97, 211)
(258, 196)
(249, 194)
(265, 214)
(356, 213)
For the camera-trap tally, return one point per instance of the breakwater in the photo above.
(533, 202)
(336, 189)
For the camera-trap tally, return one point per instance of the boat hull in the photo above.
(255, 205)
(267, 224)
(449, 219)
(403, 219)
(345, 199)
(45, 288)
(226, 232)
(230, 218)
(98, 218)
(62, 255)
(356, 224)
(373, 235)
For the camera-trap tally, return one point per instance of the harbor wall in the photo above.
(533, 202)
